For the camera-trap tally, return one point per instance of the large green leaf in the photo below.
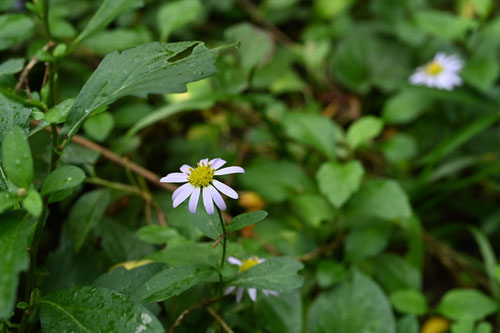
(363, 130)
(86, 213)
(281, 314)
(63, 178)
(409, 301)
(108, 10)
(152, 68)
(443, 24)
(279, 273)
(356, 305)
(90, 309)
(170, 282)
(339, 181)
(16, 28)
(14, 232)
(312, 129)
(12, 66)
(127, 281)
(243, 220)
(466, 303)
(11, 114)
(17, 160)
(380, 198)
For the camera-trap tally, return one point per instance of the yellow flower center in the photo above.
(202, 175)
(433, 68)
(248, 263)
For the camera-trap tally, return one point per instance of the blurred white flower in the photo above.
(200, 180)
(245, 265)
(441, 72)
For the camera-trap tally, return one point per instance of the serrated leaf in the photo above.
(170, 282)
(245, 219)
(90, 309)
(106, 13)
(17, 160)
(466, 303)
(86, 213)
(338, 182)
(11, 114)
(127, 281)
(14, 232)
(63, 178)
(152, 68)
(16, 28)
(33, 203)
(356, 305)
(278, 273)
(363, 130)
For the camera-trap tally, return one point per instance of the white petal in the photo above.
(270, 292)
(204, 161)
(225, 189)
(239, 294)
(193, 201)
(217, 163)
(261, 260)
(174, 177)
(217, 197)
(180, 190)
(229, 290)
(234, 261)
(186, 169)
(183, 195)
(252, 292)
(229, 170)
(207, 201)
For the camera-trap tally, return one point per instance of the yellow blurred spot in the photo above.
(249, 263)
(129, 265)
(251, 201)
(435, 325)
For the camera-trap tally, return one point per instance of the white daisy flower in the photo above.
(200, 180)
(245, 265)
(442, 72)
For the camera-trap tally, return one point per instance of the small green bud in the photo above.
(60, 50)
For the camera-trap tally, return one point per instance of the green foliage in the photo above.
(90, 309)
(16, 28)
(61, 179)
(409, 301)
(14, 232)
(243, 220)
(17, 160)
(363, 130)
(466, 303)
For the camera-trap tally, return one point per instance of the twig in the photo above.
(23, 78)
(219, 319)
(188, 311)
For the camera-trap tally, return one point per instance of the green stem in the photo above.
(46, 18)
(223, 258)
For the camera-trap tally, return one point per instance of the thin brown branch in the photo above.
(219, 319)
(188, 311)
(23, 78)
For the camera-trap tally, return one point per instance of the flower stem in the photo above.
(223, 258)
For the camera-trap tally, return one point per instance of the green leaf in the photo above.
(363, 130)
(313, 208)
(408, 324)
(409, 301)
(399, 148)
(12, 66)
(58, 113)
(243, 220)
(281, 314)
(405, 106)
(33, 203)
(100, 126)
(356, 305)
(14, 232)
(174, 15)
(86, 213)
(146, 69)
(17, 160)
(312, 129)
(63, 178)
(170, 282)
(209, 225)
(339, 181)
(395, 273)
(108, 41)
(256, 44)
(380, 198)
(278, 273)
(481, 71)
(106, 13)
(484, 327)
(7, 200)
(466, 304)
(127, 281)
(276, 180)
(443, 24)
(366, 241)
(90, 309)
(157, 234)
(12, 114)
(329, 272)
(16, 28)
